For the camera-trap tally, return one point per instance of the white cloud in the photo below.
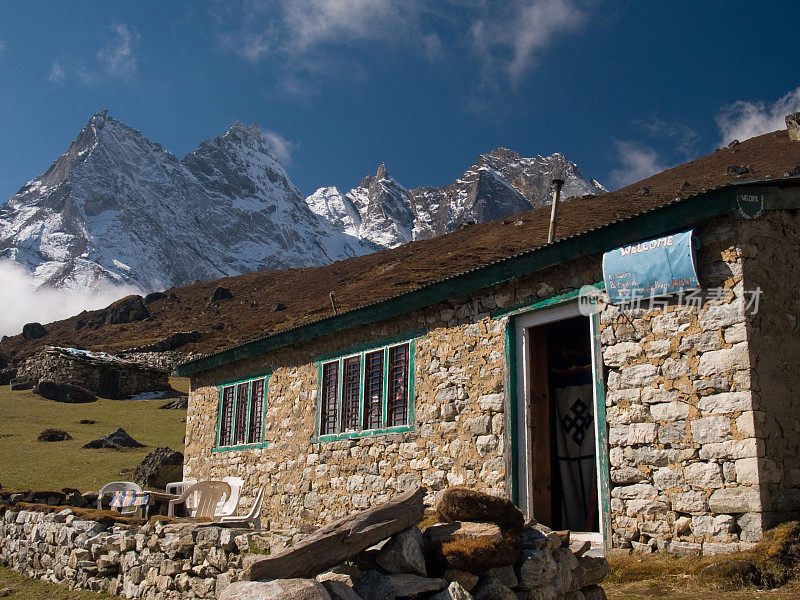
(117, 55)
(57, 73)
(512, 41)
(116, 59)
(685, 137)
(282, 147)
(23, 303)
(745, 119)
(636, 163)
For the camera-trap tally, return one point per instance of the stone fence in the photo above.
(155, 561)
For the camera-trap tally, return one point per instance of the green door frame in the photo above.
(517, 404)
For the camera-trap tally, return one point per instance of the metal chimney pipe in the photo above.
(557, 183)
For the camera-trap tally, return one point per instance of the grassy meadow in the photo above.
(26, 463)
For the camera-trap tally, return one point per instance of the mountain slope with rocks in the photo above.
(117, 208)
(500, 184)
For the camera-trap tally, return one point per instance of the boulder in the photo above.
(463, 504)
(593, 570)
(21, 384)
(454, 591)
(489, 588)
(407, 585)
(403, 553)
(339, 590)
(127, 310)
(159, 467)
(181, 403)
(63, 392)
(54, 435)
(154, 297)
(219, 294)
(373, 586)
(281, 589)
(466, 580)
(33, 331)
(117, 439)
(537, 569)
(171, 342)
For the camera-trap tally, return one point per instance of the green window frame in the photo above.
(366, 391)
(241, 413)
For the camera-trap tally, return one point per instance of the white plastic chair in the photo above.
(228, 508)
(253, 517)
(209, 494)
(119, 486)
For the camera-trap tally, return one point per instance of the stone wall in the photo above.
(58, 364)
(771, 250)
(154, 561)
(684, 449)
(460, 410)
(685, 434)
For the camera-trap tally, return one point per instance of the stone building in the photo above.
(476, 359)
(102, 374)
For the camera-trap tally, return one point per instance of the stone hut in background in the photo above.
(102, 374)
(494, 359)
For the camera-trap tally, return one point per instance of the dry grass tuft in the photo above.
(477, 555)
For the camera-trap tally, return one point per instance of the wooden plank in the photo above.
(541, 459)
(340, 540)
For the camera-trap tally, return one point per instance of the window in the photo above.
(365, 392)
(241, 413)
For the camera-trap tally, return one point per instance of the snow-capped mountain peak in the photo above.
(118, 208)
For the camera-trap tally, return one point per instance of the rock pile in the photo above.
(483, 551)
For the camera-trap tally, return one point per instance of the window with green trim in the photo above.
(241, 413)
(366, 391)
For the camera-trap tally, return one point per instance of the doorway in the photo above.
(561, 400)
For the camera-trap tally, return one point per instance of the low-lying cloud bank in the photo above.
(21, 302)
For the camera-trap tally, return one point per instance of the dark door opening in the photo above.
(563, 451)
(110, 384)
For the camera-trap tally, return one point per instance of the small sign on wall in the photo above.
(650, 268)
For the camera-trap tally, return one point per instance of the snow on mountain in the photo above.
(499, 184)
(117, 208)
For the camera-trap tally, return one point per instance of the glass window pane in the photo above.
(330, 397)
(350, 392)
(226, 420)
(373, 389)
(240, 430)
(256, 412)
(397, 409)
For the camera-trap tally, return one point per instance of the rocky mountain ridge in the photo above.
(501, 183)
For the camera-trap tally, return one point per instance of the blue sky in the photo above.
(624, 89)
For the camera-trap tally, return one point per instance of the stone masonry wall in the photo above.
(684, 449)
(62, 368)
(771, 250)
(684, 444)
(460, 410)
(154, 561)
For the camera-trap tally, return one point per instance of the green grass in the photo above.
(24, 588)
(26, 463)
